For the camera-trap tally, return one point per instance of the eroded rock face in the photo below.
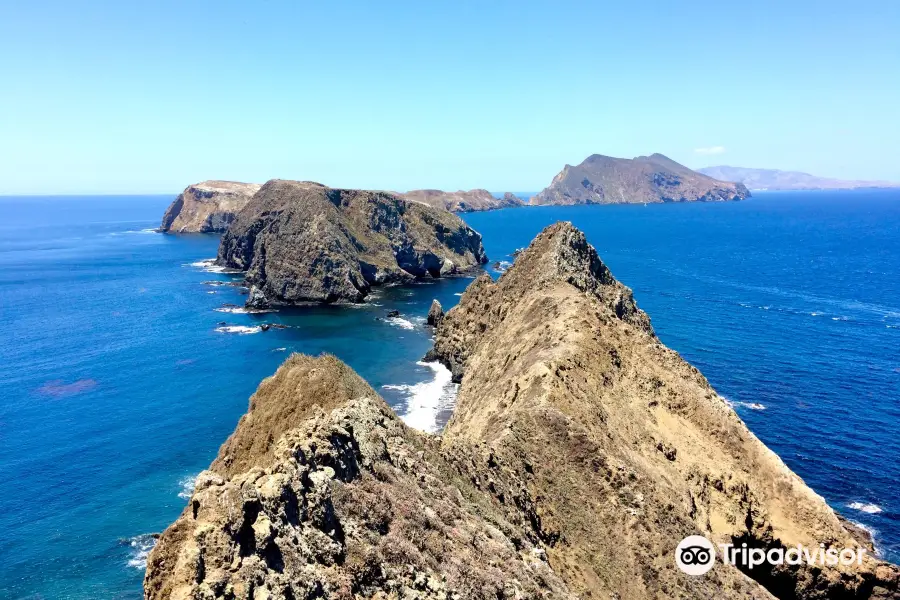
(462, 201)
(645, 179)
(322, 492)
(580, 453)
(207, 207)
(620, 446)
(435, 314)
(304, 242)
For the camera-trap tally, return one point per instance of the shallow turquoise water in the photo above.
(118, 388)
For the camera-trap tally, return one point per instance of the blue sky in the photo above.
(113, 97)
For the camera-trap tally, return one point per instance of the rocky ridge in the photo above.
(207, 207)
(644, 179)
(462, 201)
(580, 452)
(304, 242)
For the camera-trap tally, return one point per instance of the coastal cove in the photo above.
(124, 378)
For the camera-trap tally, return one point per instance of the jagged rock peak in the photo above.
(323, 493)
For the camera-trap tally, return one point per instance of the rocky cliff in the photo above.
(207, 207)
(581, 451)
(304, 242)
(645, 179)
(471, 201)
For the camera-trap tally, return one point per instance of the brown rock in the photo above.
(207, 207)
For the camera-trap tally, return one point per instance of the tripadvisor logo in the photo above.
(695, 555)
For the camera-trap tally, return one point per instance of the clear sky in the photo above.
(143, 97)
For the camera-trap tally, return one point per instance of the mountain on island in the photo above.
(645, 179)
(303, 242)
(774, 179)
(580, 452)
(207, 207)
(462, 201)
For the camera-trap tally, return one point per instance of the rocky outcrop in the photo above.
(435, 314)
(207, 207)
(461, 201)
(304, 242)
(580, 452)
(645, 179)
(322, 492)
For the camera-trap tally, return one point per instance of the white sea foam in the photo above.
(872, 509)
(750, 405)
(209, 266)
(400, 322)
(840, 319)
(139, 548)
(426, 399)
(144, 231)
(242, 329)
(240, 310)
(187, 484)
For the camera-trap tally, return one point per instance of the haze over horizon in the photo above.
(107, 98)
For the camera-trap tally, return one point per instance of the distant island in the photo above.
(471, 201)
(641, 180)
(775, 179)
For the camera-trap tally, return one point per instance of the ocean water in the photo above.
(124, 365)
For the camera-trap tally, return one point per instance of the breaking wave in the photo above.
(872, 509)
(241, 329)
(426, 399)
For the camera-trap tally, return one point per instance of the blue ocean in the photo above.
(126, 361)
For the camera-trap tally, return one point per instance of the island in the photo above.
(581, 450)
(461, 201)
(774, 179)
(302, 242)
(642, 180)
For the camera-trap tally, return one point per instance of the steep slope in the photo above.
(304, 242)
(622, 447)
(471, 201)
(580, 453)
(774, 179)
(207, 207)
(645, 179)
(322, 492)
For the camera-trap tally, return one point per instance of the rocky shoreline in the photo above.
(580, 451)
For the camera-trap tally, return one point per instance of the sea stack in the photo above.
(581, 451)
(207, 207)
(303, 242)
(645, 179)
(471, 201)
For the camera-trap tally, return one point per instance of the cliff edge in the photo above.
(207, 207)
(305, 242)
(581, 451)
